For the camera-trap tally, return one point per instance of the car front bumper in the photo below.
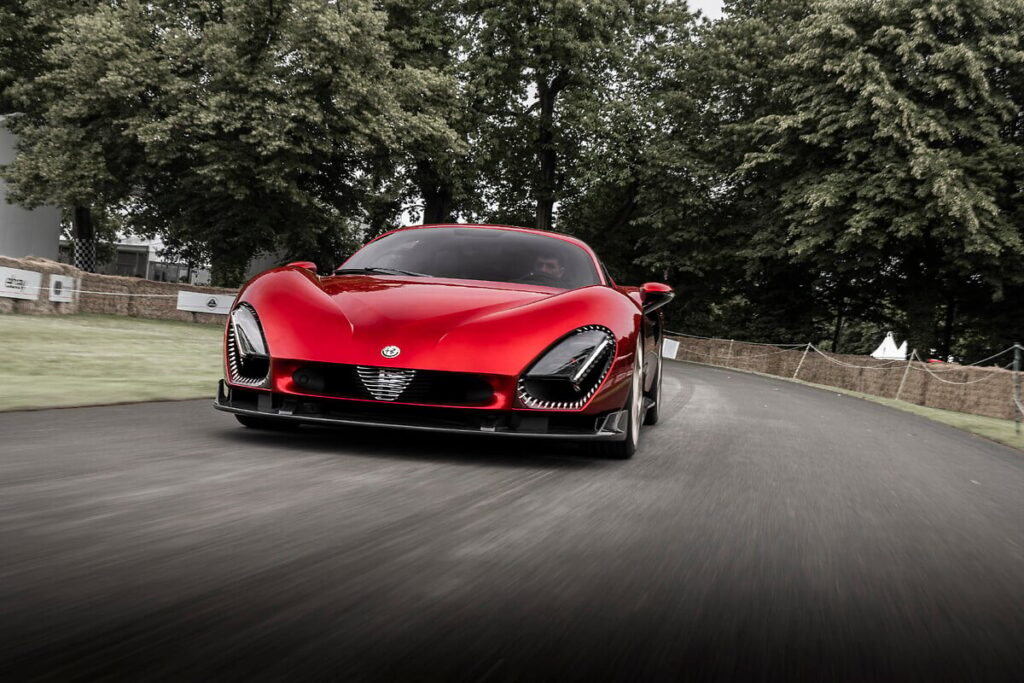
(539, 424)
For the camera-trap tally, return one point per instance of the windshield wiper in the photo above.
(380, 271)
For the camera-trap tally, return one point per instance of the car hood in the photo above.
(437, 324)
(378, 307)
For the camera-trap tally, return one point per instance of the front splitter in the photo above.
(607, 427)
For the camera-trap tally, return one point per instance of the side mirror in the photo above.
(654, 295)
(308, 265)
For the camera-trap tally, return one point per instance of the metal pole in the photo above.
(910, 359)
(1016, 387)
(800, 365)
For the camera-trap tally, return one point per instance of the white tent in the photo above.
(888, 350)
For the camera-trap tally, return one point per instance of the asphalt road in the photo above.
(765, 531)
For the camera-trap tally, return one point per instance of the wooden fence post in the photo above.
(801, 363)
(910, 359)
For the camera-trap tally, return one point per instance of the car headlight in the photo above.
(248, 357)
(565, 376)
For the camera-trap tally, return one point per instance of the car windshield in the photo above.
(478, 254)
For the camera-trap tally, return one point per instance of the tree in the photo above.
(625, 137)
(27, 29)
(242, 126)
(895, 163)
(699, 223)
(527, 60)
(428, 40)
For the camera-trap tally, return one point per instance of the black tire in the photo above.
(267, 423)
(653, 413)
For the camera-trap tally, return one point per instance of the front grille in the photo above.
(432, 387)
(385, 384)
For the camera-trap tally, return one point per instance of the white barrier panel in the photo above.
(199, 302)
(670, 348)
(20, 284)
(62, 288)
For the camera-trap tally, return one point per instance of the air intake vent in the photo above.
(385, 384)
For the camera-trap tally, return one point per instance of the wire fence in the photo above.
(992, 391)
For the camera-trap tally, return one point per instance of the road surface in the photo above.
(765, 531)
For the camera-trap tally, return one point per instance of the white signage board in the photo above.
(200, 302)
(20, 284)
(670, 348)
(62, 288)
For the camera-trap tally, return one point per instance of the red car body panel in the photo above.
(487, 328)
(493, 330)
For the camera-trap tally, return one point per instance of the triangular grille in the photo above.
(385, 384)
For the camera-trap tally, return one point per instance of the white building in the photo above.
(24, 232)
(132, 256)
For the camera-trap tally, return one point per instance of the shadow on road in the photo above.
(458, 449)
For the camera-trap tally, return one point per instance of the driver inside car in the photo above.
(548, 267)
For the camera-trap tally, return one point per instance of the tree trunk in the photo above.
(626, 211)
(437, 203)
(545, 193)
(946, 342)
(838, 330)
(436, 192)
(918, 296)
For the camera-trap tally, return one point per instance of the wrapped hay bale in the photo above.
(105, 294)
(989, 393)
(41, 304)
(157, 300)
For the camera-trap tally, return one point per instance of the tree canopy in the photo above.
(823, 170)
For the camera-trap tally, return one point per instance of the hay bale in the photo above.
(41, 305)
(165, 305)
(157, 300)
(104, 294)
(991, 396)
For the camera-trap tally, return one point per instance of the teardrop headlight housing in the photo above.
(568, 374)
(247, 354)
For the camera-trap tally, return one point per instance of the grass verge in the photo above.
(991, 428)
(60, 361)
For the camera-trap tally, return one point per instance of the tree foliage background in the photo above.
(823, 170)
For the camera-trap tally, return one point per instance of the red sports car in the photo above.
(458, 328)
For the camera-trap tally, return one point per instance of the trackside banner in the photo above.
(20, 284)
(199, 302)
(62, 288)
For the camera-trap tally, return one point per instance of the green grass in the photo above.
(54, 361)
(991, 428)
